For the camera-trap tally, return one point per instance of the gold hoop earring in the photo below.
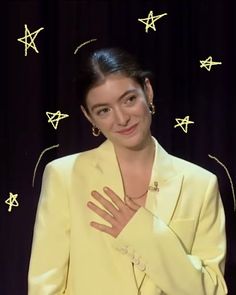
(152, 108)
(95, 131)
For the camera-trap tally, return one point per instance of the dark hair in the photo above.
(104, 62)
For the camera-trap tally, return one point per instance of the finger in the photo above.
(102, 213)
(105, 203)
(114, 197)
(103, 228)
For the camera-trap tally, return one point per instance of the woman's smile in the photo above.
(128, 131)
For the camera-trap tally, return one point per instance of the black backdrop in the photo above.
(43, 82)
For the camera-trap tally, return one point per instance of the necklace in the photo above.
(136, 283)
(135, 198)
(150, 188)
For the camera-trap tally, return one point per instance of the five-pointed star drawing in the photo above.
(182, 122)
(54, 118)
(150, 20)
(11, 201)
(208, 63)
(31, 37)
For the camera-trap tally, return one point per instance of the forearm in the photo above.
(158, 251)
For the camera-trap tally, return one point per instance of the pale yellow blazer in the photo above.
(178, 239)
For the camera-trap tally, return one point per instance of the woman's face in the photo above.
(119, 107)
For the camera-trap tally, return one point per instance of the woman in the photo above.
(126, 217)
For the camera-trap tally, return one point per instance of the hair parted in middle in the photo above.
(104, 62)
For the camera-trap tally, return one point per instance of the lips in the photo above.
(127, 131)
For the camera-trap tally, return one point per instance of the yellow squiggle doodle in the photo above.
(81, 45)
(230, 179)
(31, 36)
(11, 201)
(40, 157)
(150, 20)
(208, 63)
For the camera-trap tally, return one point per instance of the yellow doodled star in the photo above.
(31, 37)
(150, 20)
(54, 118)
(12, 201)
(126, 217)
(208, 63)
(185, 121)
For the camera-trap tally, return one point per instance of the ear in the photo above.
(148, 90)
(87, 116)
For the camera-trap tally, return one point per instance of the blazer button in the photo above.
(130, 255)
(141, 266)
(135, 260)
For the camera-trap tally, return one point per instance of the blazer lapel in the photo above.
(168, 198)
(162, 203)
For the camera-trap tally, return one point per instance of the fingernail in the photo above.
(105, 188)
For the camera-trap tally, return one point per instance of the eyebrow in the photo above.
(105, 104)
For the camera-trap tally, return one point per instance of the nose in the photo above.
(122, 118)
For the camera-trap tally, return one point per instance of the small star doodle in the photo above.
(208, 63)
(54, 118)
(31, 37)
(150, 21)
(182, 122)
(11, 201)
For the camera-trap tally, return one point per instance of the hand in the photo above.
(118, 216)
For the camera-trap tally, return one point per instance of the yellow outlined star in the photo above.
(182, 122)
(11, 201)
(150, 20)
(54, 118)
(31, 36)
(208, 63)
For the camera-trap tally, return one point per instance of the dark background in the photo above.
(34, 84)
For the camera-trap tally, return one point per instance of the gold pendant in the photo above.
(155, 187)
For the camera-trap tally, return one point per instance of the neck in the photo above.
(139, 156)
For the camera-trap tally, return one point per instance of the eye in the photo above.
(102, 111)
(130, 99)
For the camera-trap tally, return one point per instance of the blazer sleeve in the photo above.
(156, 249)
(50, 248)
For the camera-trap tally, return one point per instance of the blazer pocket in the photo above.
(185, 231)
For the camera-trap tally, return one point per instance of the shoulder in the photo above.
(173, 165)
(70, 161)
(176, 165)
(193, 172)
(187, 166)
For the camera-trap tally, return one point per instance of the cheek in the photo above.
(145, 115)
(105, 124)
(143, 110)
